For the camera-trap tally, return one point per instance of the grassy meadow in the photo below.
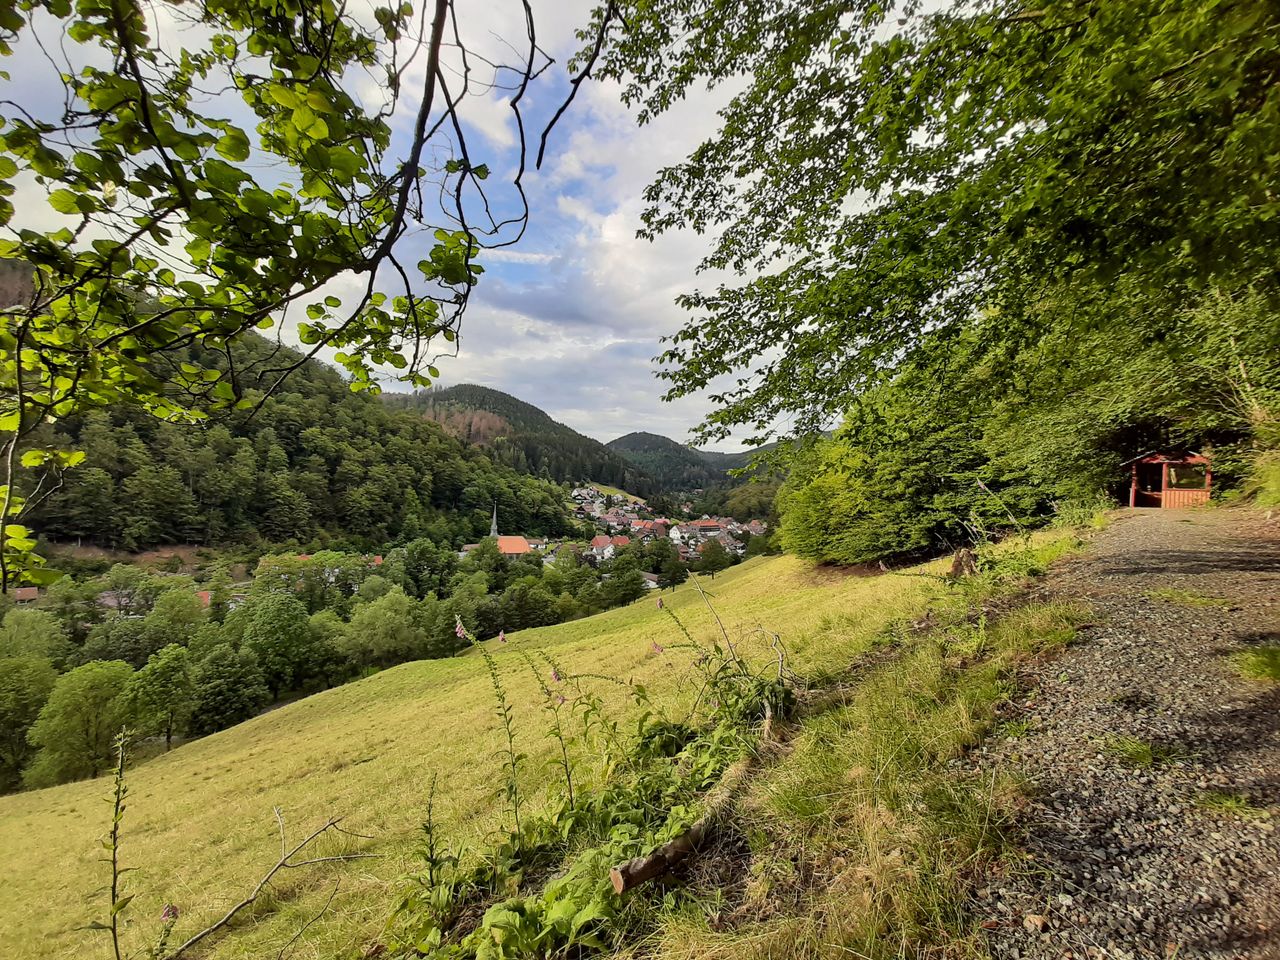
(200, 828)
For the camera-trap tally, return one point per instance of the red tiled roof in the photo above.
(23, 594)
(621, 541)
(512, 546)
(206, 597)
(600, 540)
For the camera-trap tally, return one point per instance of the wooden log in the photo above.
(626, 876)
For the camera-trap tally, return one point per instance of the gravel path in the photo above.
(1126, 860)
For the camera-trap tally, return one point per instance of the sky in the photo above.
(572, 317)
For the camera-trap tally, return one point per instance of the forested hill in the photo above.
(674, 465)
(316, 464)
(681, 468)
(522, 436)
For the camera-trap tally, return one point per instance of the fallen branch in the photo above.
(285, 862)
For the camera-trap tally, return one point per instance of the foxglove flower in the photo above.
(659, 603)
(458, 628)
(169, 914)
(502, 636)
(555, 675)
(657, 647)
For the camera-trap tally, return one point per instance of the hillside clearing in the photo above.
(200, 826)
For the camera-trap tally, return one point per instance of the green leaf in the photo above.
(233, 145)
(65, 201)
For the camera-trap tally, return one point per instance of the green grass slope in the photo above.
(200, 829)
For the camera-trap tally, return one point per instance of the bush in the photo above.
(1264, 480)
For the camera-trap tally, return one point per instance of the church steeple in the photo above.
(493, 524)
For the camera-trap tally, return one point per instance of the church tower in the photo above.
(493, 524)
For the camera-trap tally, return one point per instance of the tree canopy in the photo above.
(200, 190)
(887, 170)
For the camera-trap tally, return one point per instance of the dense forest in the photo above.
(523, 437)
(682, 469)
(313, 464)
(675, 466)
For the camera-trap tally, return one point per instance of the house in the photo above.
(650, 581)
(1169, 480)
(603, 547)
(24, 595)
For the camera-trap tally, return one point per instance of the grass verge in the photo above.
(865, 839)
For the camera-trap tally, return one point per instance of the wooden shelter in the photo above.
(1169, 480)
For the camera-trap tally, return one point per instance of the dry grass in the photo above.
(200, 828)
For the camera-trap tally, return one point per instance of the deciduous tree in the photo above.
(163, 692)
(228, 689)
(84, 712)
(25, 684)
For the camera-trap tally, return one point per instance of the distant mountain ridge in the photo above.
(520, 435)
(517, 434)
(675, 466)
(680, 467)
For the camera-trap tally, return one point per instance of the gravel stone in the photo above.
(1126, 863)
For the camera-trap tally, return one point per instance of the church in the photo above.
(508, 546)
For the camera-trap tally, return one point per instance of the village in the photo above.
(624, 520)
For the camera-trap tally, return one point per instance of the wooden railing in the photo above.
(1175, 499)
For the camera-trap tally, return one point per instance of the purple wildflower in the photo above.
(502, 636)
(169, 914)
(659, 603)
(458, 628)
(657, 647)
(555, 675)
(560, 699)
